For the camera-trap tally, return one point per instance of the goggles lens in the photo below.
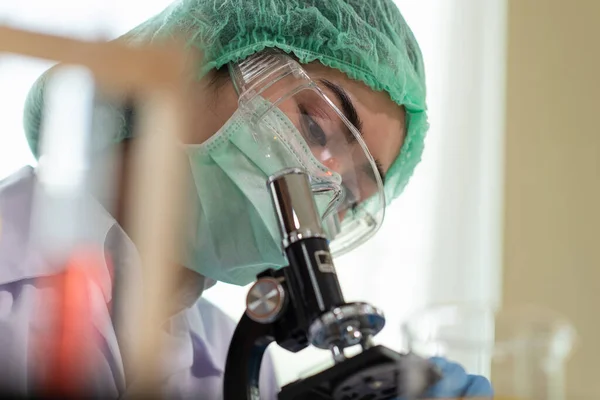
(346, 172)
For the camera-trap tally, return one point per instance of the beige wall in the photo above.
(552, 215)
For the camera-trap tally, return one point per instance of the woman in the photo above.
(353, 116)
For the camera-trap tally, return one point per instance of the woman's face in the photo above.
(380, 120)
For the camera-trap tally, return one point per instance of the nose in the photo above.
(330, 161)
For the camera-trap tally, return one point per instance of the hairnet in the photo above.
(367, 40)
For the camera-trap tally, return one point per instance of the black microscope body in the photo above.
(301, 305)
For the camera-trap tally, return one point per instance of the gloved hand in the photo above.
(456, 383)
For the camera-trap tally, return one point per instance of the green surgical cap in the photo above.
(368, 40)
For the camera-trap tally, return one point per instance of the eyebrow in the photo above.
(351, 114)
(347, 105)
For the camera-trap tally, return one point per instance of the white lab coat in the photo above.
(197, 338)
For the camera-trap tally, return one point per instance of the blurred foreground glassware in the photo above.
(522, 350)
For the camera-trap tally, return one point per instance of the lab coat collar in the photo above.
(19, 257)
(184, 335)
(203, 366)
(22, 260)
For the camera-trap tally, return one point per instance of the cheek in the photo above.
(385, 145)
(384, 131)
(212, 107)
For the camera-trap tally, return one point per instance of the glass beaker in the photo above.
(523, 351)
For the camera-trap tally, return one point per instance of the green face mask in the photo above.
(234, 233)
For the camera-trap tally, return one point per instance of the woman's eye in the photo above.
(312, 129)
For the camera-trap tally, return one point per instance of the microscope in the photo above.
(302, 304)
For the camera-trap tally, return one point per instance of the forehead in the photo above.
(383, 121)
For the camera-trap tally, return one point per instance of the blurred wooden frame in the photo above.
(158, 76)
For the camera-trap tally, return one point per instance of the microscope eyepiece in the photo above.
(295, 206)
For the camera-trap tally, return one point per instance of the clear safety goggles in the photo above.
(348, 175)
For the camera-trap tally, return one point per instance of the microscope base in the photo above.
(376, 373)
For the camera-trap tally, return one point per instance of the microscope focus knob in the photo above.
(265, 300)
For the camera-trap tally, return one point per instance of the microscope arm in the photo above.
(248, 345)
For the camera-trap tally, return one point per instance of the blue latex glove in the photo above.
(456, 383)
